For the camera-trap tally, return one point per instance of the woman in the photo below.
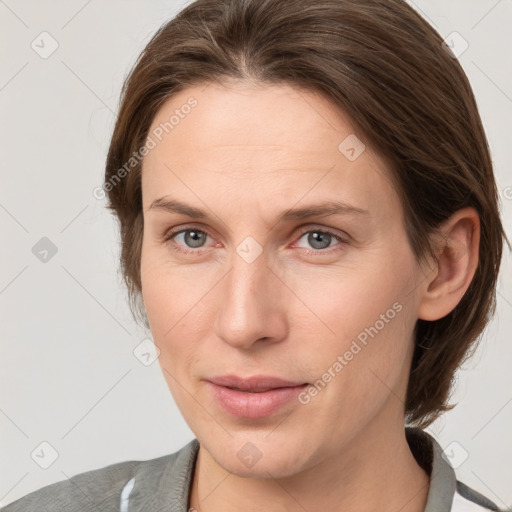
(309, 227)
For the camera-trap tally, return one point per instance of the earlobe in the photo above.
(456, 265)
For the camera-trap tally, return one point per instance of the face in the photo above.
(247, 273)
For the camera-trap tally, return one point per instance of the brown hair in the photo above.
(383, 65)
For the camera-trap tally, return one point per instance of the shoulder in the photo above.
(99, 489)
(92, 490)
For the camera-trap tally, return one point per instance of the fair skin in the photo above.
(244, 155)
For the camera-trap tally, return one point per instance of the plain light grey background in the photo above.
(68, 373)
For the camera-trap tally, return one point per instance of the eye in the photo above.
(321, 239)
(189, 237)
(190, 240)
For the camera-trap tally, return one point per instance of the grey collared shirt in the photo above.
(163, 484)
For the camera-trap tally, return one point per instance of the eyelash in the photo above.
(168, 239)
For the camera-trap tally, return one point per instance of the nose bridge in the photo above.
(249, 310)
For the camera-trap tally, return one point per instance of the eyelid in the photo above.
(341, 235)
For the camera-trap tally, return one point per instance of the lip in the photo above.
(255, 396)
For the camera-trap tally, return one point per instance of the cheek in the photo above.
(166, 309)
(178, 309)
(341, 303)
(170, 292)
(163, 301)
(364, 318)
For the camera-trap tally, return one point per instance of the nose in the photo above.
(251, 304)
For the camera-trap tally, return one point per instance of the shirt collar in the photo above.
(429, 455)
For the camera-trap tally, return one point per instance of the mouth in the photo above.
(255, 383)
(251, 390)
(254, 397)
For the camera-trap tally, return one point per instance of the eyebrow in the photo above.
(316, 210)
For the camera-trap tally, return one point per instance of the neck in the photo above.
(375, 471)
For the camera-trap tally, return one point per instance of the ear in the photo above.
(455, 266)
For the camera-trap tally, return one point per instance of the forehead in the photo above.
(257, 117)
(246, 140)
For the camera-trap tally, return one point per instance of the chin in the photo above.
(254, 456)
